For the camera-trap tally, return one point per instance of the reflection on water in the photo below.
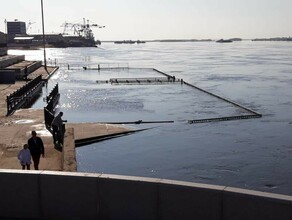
(253, 154)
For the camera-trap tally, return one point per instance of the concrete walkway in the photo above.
(16, 129)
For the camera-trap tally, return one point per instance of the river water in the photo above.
(252, 154)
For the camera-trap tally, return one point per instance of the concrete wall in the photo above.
(61, 195)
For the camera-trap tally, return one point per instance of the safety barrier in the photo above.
(24, 95)
(48, 119)
(49, 109)
(67, 195)
(52, 100)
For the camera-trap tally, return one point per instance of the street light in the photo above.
(44, 41)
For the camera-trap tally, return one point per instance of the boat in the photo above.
(129, 42)
(224, 41)
(82, 34)
(78, 41)
(124, 42)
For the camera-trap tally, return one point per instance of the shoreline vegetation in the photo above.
(274, 39)
(204, 40)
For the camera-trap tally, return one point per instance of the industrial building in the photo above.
(15, 28)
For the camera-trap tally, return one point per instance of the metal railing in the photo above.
(96, 66)
(23, 95)
(52, 100)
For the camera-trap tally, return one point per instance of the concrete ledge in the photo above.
(243, 204)
(127, 199)
(183, 200)
(19, 195)
(65, 195)
(68, 161)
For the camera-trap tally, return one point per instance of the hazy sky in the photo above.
(158, 19)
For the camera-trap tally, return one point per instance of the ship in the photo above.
(74, 35)
(82, 34)
(224, 41)
(129, 42)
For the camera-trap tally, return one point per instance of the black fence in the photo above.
(52, 100)
(24, 95)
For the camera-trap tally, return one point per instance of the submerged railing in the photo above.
(166, 78)
(172, 79)
(96, 66)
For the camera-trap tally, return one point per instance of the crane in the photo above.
(81, 29)
(28, 25)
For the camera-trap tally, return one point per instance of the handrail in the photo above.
(23, 95)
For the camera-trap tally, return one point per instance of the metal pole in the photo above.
(44, 40)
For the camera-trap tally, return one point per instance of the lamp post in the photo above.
(44, 40)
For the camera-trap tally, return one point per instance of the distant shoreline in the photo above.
(274, 39)
(37, 47)
(211, 40)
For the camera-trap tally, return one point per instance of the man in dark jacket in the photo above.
(36, 147)
(58, 130)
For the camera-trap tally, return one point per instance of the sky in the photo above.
(157, 19)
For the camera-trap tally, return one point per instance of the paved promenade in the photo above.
(16, 129)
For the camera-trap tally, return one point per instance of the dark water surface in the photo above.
(253, 154)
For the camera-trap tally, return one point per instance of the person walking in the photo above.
(24, 157)
(58, 130)
(36, 147)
